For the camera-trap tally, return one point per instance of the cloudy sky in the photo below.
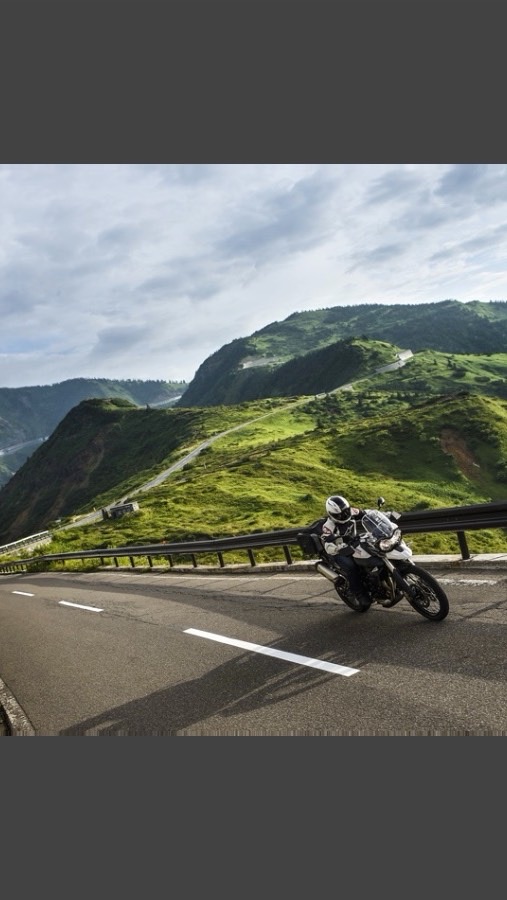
(142, 271)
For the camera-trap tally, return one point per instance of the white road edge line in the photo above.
(468, 580)
(269, 651)
(25, 593)
(79, 606)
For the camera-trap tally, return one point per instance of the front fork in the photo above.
(399, 579)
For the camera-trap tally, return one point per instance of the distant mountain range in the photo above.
(29, 414)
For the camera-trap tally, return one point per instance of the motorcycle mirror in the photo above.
(380, 502)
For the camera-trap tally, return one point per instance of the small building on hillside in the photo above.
(115, 512)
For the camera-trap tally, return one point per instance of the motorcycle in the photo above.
(385, 564)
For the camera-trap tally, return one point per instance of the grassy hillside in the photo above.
(448, 325)
(29, 414)
(432, 372)
(312, 372)
(103, 447)
(275, 473)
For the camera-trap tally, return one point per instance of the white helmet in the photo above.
(338, 508)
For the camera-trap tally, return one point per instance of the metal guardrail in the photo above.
(248, 542)
(457, 519)
(40, 537)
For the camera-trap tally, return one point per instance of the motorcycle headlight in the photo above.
(389, 543)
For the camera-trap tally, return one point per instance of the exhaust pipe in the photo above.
(327, 572)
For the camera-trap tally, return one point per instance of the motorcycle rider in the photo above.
(338, 531)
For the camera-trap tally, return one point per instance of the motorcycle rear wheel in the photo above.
(428, 598)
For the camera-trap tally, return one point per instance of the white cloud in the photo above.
(142, 271)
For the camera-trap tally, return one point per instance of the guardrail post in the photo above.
(150, 562)
(463, 546)
(116, 561)
(251, 557)
(288, 557)
(132, 563)
(221, 559)
(194, 561)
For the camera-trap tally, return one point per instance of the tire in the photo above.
(430, 599)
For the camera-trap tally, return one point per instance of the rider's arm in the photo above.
(331, 538)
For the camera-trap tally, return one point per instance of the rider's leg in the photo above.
(348, 566)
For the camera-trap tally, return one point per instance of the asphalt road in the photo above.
(131, 653)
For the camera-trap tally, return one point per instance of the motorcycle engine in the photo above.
(377, 587)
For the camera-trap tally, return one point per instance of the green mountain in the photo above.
(100, 450)
(29, 414)
(263, 364)
(274, 472)
(416, 411)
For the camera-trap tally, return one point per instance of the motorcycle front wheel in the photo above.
(426, 597)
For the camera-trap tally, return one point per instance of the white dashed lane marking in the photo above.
(79, 606)
(24, 593)
(280, 654)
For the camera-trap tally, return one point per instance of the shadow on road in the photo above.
(251, 682)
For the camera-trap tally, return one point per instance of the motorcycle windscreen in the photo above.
(378, 525)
